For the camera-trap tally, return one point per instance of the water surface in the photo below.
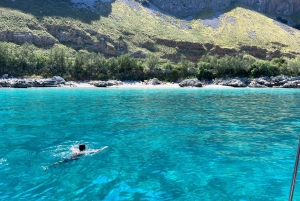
(164, 144)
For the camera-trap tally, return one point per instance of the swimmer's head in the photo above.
(81, 147)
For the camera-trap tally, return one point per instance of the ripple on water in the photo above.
(181, 144)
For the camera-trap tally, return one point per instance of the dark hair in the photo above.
(81, 147)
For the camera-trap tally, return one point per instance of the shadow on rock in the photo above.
(83, 10)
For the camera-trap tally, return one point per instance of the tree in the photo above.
(204, 71)
(42, 65)
(263, 68)
(183, 66)
(58, 61)
(152, 61)
(3, 58)
(79, 66)
(282, 65)
(293, 66)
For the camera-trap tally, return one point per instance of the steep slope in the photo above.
(190, 7)
(125, 26)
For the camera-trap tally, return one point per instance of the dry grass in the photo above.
(238, 26)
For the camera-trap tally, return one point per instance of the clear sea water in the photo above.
(164, 144)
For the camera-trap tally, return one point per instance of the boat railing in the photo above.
(295, 172)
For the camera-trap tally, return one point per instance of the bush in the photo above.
(152, 61)
(27, 60)
(293, 66)
(204, 74)
(263, 68)
(281, 65)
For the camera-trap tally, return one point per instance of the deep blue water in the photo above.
(164, 144)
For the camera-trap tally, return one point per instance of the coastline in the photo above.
(127, 85)
(56, 81)
(140, 85)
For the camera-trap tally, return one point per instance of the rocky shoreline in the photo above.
(262, 82)
(56, 81)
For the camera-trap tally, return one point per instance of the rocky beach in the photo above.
(56, 81)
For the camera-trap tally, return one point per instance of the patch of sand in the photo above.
(216, 86)
(142, 85)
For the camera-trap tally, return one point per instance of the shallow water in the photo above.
(164, 144)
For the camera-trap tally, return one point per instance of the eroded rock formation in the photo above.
(27, 37)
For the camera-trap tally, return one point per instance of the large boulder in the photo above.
(101, 84)
(7, 83)
(37, 83)
(261, 82)
(236, 83)
(254, 84)
(285, 81)
(291, 84)
(21, 84)
(50, 83)
(190, 83)
(3, 83)
(114, 83)
(59, 79)
(154, 81)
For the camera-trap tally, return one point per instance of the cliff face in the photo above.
(72, 37)
(190, 7)
(130, 27)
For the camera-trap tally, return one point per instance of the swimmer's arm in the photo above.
(97, 150)
(102, 148)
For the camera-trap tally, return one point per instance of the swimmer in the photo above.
(81, 151)
(78, 152)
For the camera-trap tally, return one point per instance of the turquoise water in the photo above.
(164, 144)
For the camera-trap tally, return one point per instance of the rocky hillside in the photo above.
(129, 26)
(190, 7)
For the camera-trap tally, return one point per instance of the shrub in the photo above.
(293, 66)
(152, 61)
(263, 68)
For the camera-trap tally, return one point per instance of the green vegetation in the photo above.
(123, 27)
(27, 60)
(211, 66)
